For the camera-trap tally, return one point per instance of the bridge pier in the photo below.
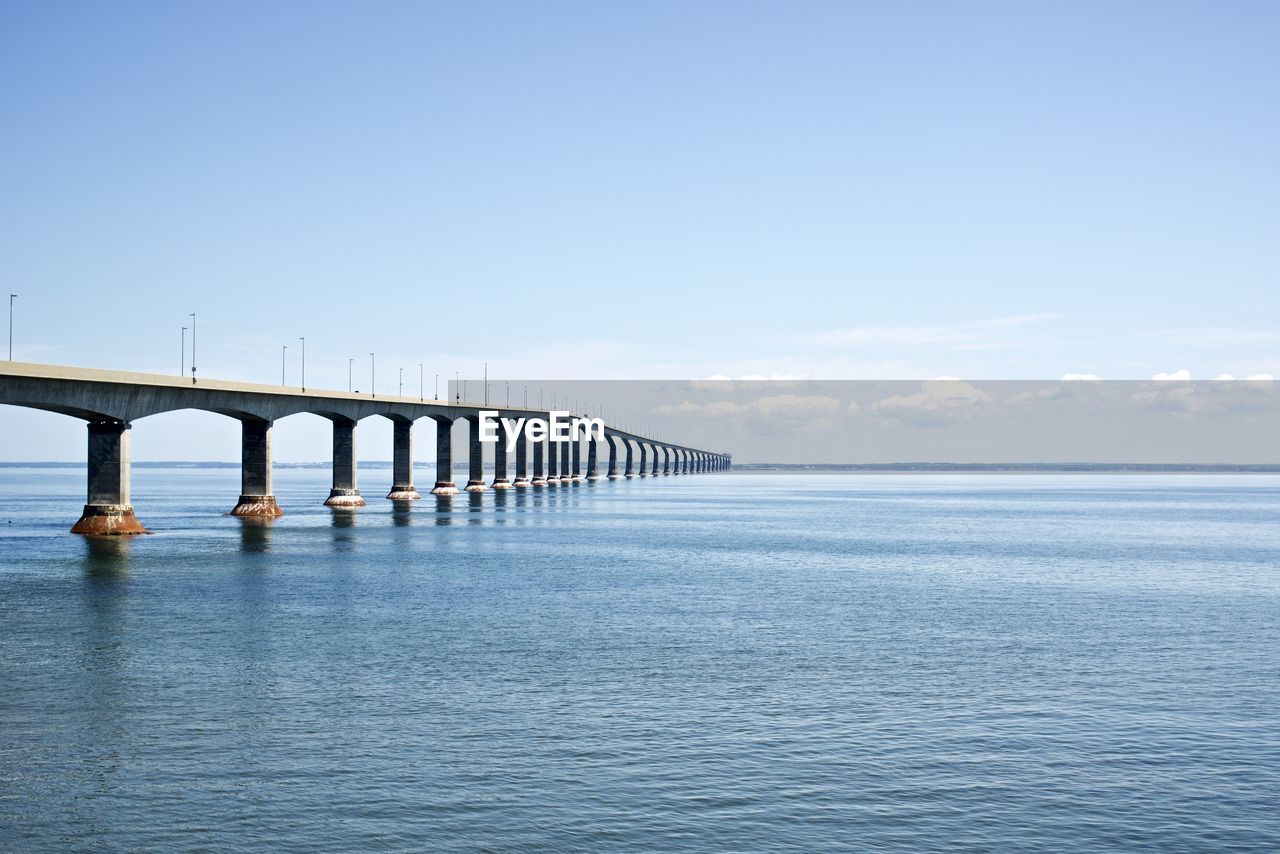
(539, 477)
(654, 473)
(256, 496)
(666, 460)
(613, 458)
(593, 460)
(643, 451)
(576, 448)
(566, 469)
(107, 508)
(402, 488)
(522, 464)
(444, 458)
(553, 477)
(631, 468)
(500, 458)
(475, 480)
(344, 492)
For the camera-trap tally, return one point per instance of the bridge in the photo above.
(110, 401)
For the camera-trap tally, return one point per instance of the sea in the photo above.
(716, 662)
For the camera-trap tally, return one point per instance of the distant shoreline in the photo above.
(812, 468)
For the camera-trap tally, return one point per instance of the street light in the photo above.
(182, 365)
(401, 394)
(422, 388)
(436, 394)
(457, 388)
(372, 376)
(193, 348)
(283, 349)
(12, 297)
(304, 363)
(350, 365)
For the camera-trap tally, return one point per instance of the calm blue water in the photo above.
(698, 663)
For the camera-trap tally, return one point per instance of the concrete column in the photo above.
(631, 468)
(553, 467)
(593, 460)
(566, 470)
(539, 477)
(644, 472)
(522, 464)
(107, 509)
(444, 457)
(344, 492)
(576, 448)
(475, 481)
(500, 458)
(684, 463)
(402, 488)
(613, 456)
(666, 459)
(654, 473)
(256, 496)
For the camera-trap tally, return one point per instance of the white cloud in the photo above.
(973, 335)
(770, 415)
(938, 401)
(1259, 377)
(1182, 375)
(1023, 319)
(1067, 378)
(1224, 377)
(891, 336)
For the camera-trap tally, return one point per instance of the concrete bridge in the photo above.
(110, 401)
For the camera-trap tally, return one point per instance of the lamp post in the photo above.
(401, 394)
(457, 388)
(422, 388)
(12, 297)
(372, 375)
(304, 363)
(486, 383)
(193, 348)
(284, 348)
(182, 363)
(350, 366)
(436, 394)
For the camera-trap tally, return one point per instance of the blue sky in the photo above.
(832, 190)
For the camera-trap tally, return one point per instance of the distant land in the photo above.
(818, 468)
